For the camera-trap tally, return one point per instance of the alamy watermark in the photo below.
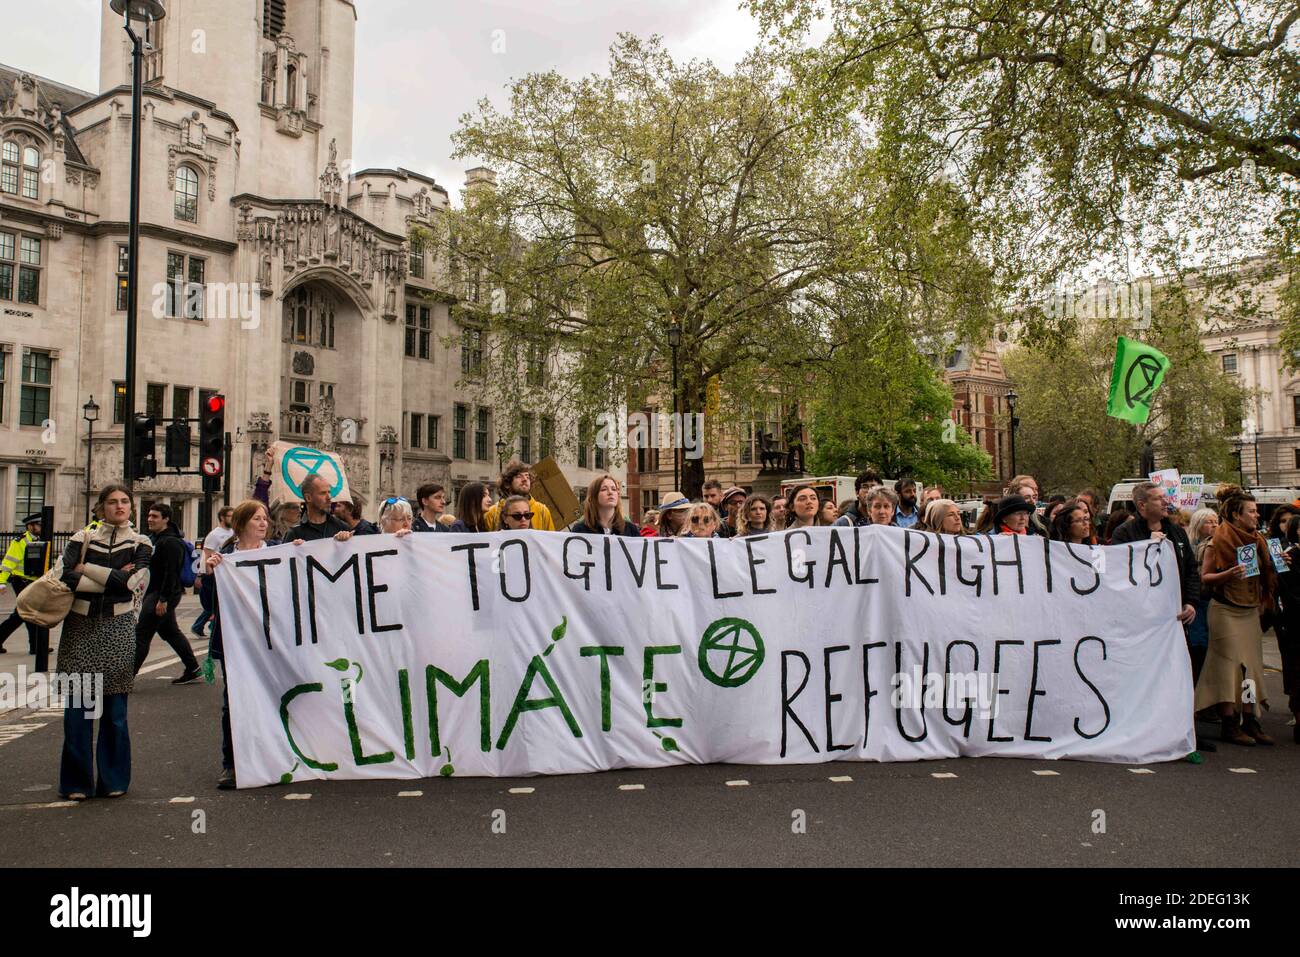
(1129, 302)
(977, 690)
(652, 430)
(39, 690)
(209, 300)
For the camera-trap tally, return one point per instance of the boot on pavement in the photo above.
(1232, 733)
(1251, 727)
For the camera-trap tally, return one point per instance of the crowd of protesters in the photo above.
(1224, 607)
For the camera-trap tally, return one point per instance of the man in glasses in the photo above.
(516, 513)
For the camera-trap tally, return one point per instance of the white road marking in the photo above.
(942, 774)
(738, 784)
(200, 647)
(181, 800)
(410, 794)
(840, 779)
(522, 790)
(1242, 770)
(631, 787)
(1141, 771)
(37, 807)
(298, 797)
(1048, 774)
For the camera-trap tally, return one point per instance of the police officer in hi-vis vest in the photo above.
(14, 573)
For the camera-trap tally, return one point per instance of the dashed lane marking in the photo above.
(522, 790)
(631, 787)
(840, 779)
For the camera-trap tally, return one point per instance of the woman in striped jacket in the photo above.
(107, 566)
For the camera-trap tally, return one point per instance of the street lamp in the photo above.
(1011, 405)
(501, 455)
(674, 343)
(1250, 433)
(146, 12)
(89, 412)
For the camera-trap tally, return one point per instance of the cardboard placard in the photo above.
(552, 489)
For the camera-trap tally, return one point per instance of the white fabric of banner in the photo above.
(548, 653)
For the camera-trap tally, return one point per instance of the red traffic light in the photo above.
(216, 403)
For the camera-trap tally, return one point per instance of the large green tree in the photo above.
(1146, 135)
(886, 406)
(663, 195)
(1067, 441)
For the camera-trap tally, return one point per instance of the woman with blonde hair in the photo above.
(703, 522)
(1200, 531)
(602, 511)
(944, 517)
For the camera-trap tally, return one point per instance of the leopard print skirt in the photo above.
(100, 646)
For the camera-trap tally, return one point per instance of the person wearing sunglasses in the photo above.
(602, 513)
(517, 479)
(703, 522)
(516, 514)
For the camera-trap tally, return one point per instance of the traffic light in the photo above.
(212, 436)
(143, 448)
(176, 446)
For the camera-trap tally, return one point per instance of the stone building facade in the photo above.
(270, 271)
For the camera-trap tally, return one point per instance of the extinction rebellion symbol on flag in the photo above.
(1139, 370)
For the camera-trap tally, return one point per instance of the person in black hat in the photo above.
(12, 572)
(1011, 515)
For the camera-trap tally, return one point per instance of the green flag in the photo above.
(1138, 372)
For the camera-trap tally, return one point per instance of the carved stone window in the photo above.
(187, 194)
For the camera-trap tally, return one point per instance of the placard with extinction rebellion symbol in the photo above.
(1139, 369)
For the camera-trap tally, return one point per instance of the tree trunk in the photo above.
(693, 400)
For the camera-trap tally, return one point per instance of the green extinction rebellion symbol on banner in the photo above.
(731, 652)
(302, 461)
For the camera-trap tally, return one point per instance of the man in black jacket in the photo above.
(158, 610)
(1152, 522)
(318, 522)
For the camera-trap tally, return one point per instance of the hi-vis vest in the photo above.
(14, 559)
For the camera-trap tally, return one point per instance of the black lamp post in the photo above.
(146, 12)
(1011, 406)
(501, 455)
(89, 412)
(674, 343)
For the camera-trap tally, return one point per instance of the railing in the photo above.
(60, 541)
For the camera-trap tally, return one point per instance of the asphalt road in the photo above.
(1238, 808)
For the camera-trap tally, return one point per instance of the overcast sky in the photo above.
(420, 64)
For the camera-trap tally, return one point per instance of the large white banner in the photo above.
(546, 653)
